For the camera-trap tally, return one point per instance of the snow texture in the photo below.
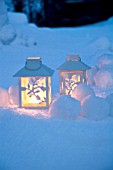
(3, 14)
(7, 34)
(104, 77)
(65, 107)
(4, 97)
(94, 108)
(14, 94)
(105, 59)
(82, 91)
(91, 74)
(110, 101)
(17, 18)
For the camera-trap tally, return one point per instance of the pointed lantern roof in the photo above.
(34, 67)
(73, 62)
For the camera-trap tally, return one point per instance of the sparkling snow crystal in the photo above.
(65, 107)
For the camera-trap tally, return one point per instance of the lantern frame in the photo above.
(34, 84)
(72, 73)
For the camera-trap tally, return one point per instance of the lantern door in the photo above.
(35, 92)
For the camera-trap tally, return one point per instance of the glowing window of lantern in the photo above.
(33, 91)
(69, 80)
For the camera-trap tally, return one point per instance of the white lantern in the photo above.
(34, 84)
(72, 73)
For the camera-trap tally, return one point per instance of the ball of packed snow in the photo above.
(65, 107)
(110, 101)
(94, 108)
(105, 59)
(7, 34)
(17, 18)
(91, 74)
(14, 94)
(104, 77)
(4, 97)
(81, 91)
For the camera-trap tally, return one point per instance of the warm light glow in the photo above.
(33, 91)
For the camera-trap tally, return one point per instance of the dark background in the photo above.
(60, 13)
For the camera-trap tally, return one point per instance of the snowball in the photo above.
(91, 74)
(7, 34)
(105, 59)
(65, 107)
(104, 77)
(81, 91)
(14, 94)
(4, 97)
(110, 101)
(94, 108)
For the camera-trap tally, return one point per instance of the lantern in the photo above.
(34, 84)
(72, 73)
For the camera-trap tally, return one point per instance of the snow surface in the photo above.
(32, 139)
(110, 101)
(4, 97)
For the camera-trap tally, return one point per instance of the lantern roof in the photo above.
(34, 67)
(73, 62)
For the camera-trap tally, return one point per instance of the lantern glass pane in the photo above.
(33, 91)
(69, 80)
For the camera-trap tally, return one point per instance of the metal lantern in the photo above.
(72, 73)
(34, 84)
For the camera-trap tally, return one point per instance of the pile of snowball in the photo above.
(102, 74)
(83, 101)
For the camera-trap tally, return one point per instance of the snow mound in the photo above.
(102, 43)
(110, 101)
(94, 108)
(14, 94)
(81, 91)
(7, 34)
(105, 59)
(17, 18)
(4, 97)
(65, 107)
(104, 77)
(91, 74)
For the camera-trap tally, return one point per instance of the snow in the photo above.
(7, 34)
(17, 18)
(81, 91)
(65, 107)
(3, 14)
(104, 77)
(94, 108)
(105, 59)
(4, 97)
(13, 92)
(110, 101)
(33, 139)
(91, 74)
